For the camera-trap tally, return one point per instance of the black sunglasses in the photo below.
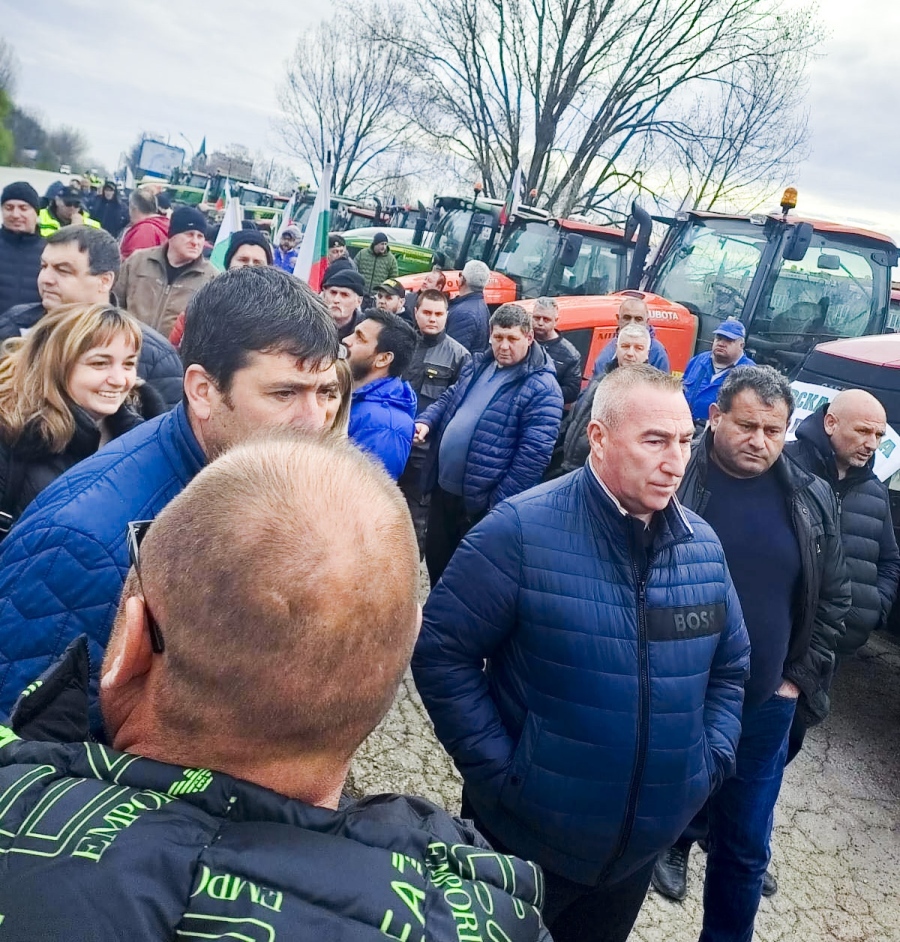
(134, 536)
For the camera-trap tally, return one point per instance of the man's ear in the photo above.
(106, 280)
(598, 436)
(200, 391)
(530, 337)
(715, 416)
(384, 359)
(130, 653)
(830, 424)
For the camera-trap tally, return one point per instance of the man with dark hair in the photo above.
(342, 292)
(20, 245)
(545, 316)
(65, 207)
(232, 722)
(582, 659)
(155, 285)
(494, 432)
(779, 528)
(257, 349)
(434, 368)
(149, 227)
(78, 266)
(383, 411)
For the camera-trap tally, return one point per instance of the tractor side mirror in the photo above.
(571, 249)
(829, 262)
(798, 241)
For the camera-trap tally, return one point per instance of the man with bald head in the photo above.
(633, 310)
(243, 672)
(838, 443)
(582, 659)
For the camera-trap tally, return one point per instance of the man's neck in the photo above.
(344, 321)
(644, 518)
(842, 468)
(550, 337)
(372, 377)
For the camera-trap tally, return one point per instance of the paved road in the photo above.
(837, 830)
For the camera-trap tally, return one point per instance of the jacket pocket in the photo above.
(517, 774)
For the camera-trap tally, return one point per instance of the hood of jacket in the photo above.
(159, 223)
(390, 391)
(812, 432)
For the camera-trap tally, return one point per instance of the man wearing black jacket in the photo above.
(78, 266)
(235, 694)
(779, 528)
(545, 317)
(20, 245)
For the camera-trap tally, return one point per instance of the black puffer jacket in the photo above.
(20, 262)
(29, 466)
(867, 531)
(823, 604)
(101, 846)
(159, 363)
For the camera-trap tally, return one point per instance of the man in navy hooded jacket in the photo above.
(383, 410)
(583, 659)
(633, 310)
(258, 346)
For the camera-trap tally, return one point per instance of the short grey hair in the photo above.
(634, 332)
(512, 315)
(610, 404)
(476, 274)
(549, 303)
(766, 383)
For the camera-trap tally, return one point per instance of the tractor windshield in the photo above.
(449, 236)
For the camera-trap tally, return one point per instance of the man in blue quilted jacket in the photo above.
(583, 660)
(492, 433)
(258, 347)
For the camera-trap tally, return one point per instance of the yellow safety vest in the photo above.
(48, 223)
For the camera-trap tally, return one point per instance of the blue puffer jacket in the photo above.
(63, 565)
(702, 383)
(514, 438)
(382, 421)
(467, 321)
(610, 707)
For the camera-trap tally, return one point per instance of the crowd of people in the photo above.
(216, 493)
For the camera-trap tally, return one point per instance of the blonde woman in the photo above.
(66, 388)
(339, 419)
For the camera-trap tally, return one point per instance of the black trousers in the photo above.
(410, 483)
(574, 912)
(448, 523)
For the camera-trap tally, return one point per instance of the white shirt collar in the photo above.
(609, 493)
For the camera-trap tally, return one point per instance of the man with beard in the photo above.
(382, 416)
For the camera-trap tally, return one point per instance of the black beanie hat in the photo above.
(21, 191)
(345, 278)
(379, 237)
(247, 237)
(187, 219)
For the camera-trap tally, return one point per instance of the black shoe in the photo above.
(770, 884)
(670, 872)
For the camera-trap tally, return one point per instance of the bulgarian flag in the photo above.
(231, 223)
(312, 258)
(286, 218)
(513, 198)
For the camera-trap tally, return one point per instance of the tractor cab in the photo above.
(793, 282)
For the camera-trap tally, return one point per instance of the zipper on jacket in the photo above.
(640, 758)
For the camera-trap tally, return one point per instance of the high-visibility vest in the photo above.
(48, 223)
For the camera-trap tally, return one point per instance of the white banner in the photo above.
(808, 397)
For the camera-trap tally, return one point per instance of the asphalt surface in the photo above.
(836, 847)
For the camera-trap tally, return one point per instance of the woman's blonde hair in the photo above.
(345, 382)
(35, 369)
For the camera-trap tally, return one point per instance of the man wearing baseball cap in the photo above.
(65, 207)
(342, 292)
(20, 245)
(156, 284)
(706, 372)
(390, 296)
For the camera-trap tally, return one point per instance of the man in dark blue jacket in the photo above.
(633, 310)
(256, 344)
(492, 433)
(583, 660)
(20, 245)
(216, 812)
(383, 410)
(78, 266)
(468, 314)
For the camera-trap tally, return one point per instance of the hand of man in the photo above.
(788, 689)
(76, 220)
(421, 433)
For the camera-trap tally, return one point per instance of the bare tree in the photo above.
(572, 88)
(344, 94)
(9, 67)
(67, 144)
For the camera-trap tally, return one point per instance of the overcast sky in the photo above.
(184, 67)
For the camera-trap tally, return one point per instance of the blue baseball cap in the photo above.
(731, 329)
